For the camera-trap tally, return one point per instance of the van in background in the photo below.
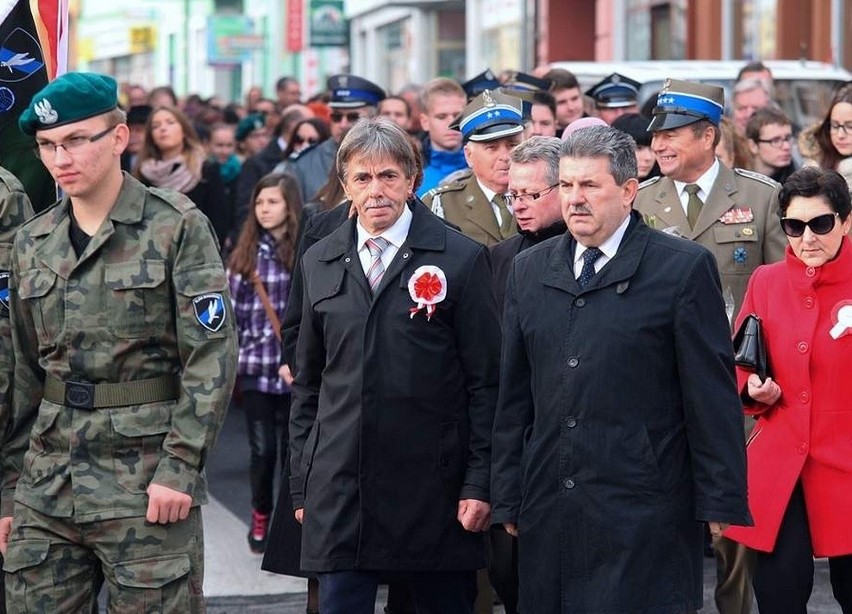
(803, 89)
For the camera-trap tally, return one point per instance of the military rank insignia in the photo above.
(4, 291)
(737, 215)
(210, 310)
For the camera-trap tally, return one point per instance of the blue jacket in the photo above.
(441, 164)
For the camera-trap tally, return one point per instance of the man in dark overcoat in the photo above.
(618, 430)
(394, 392)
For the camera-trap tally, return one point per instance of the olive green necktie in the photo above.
(694, 204)
(506, 219)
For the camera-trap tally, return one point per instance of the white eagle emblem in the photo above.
(46, 113)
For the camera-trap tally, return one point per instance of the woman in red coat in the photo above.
(800, 452)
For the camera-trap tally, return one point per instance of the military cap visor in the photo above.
(486, 80)
(490, 116)
(682, 103)
(352, 92)
(70, 98)
(614, 92)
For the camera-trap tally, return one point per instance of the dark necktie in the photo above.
(377, 269)
(694, 204)
(506, 218)
(590, 256)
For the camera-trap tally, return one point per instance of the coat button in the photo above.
(802, 448)
(568, 483)
(802, 346)
(571, 422)
(810, 271)
(580, 302)
(444, 462)
(573, 362)
(809, 302)
(804, 397)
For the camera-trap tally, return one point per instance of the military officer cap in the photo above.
(523, 82)
(351, 92)
(614, 92)
(248, 124)
(681, 103)
(72, 97)
(486, 80)
(491, 115)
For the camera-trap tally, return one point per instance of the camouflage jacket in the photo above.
(135, 305)
(15, 209)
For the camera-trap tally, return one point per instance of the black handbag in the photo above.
(750, 348)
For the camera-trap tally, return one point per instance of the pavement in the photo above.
(235, 584)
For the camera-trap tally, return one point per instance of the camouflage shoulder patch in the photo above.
(756, 176)
(650, 181)
(12, 182)
(174, 199)
(210, 310)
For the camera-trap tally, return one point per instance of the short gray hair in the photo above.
(377, 138)
(748, 85)
(604, 142)
(539, 149)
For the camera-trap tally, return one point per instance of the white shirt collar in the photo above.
(395, 235)
(705, 182)
(489, 194)
(608, 247)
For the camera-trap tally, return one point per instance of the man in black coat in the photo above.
(533, 179)
(394, 392)
(618, 430)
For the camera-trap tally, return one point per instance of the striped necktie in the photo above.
(377, 269)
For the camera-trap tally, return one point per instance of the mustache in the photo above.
(582, 208)
(379, 202)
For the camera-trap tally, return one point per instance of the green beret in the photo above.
(69, 98)
(248, 124)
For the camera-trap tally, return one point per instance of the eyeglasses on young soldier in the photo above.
(48, 148)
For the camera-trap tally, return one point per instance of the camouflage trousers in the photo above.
(57, 565)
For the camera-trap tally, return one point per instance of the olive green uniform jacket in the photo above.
(463, 204)
(738, 223)
(127, 309)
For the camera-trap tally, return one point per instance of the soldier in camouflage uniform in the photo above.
(125, 357)
(491, 125)
(15, 209)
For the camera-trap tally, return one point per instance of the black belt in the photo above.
(83, 395)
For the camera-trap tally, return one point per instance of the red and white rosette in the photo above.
(427, 287)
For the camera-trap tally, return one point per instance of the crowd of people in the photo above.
(482, 330)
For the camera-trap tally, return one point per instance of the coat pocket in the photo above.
(139, 297)
(151, 584)
(137, 442)
(38, 289)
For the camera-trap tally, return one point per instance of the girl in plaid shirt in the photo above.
(265, 251)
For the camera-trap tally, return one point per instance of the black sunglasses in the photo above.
(301, 141)
(819, 225)
(352, 117)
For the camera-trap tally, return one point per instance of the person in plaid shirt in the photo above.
(259, 271)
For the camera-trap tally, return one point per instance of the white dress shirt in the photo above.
(608, 247)
(395, 236)
(705, 184)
